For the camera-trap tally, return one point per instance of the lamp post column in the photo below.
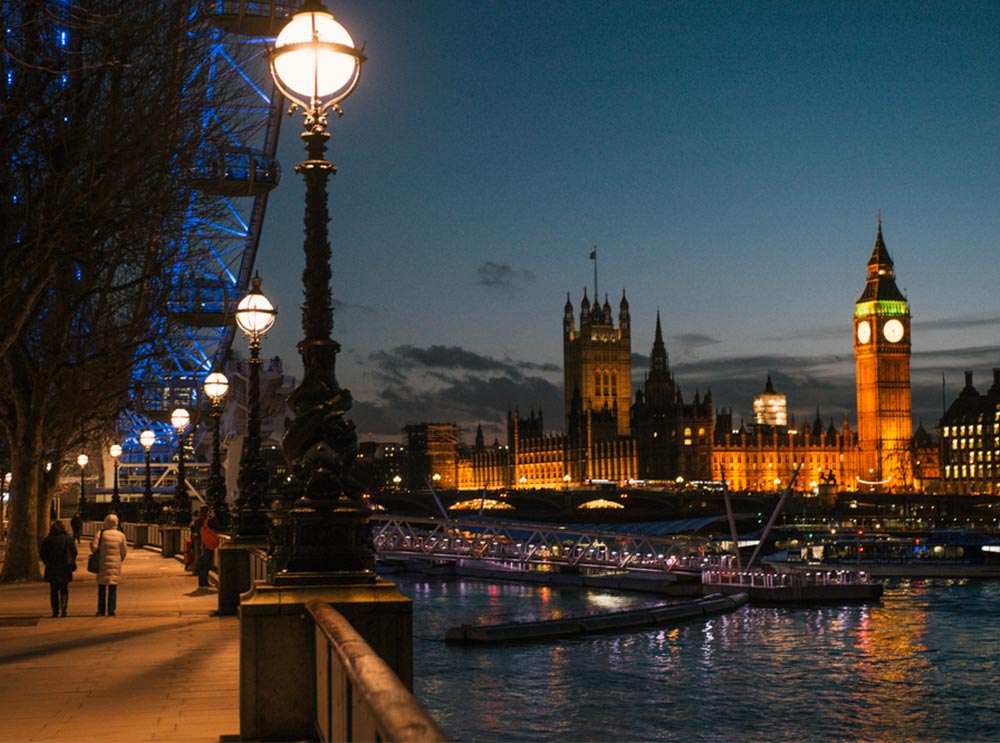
(82, 505)
(255, 315)
(320, 539)
(116, 452)
(182, 503)
(216, 386)
(147, 439)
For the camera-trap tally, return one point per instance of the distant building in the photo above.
(970, 441)
(433, 455)
(770, 408)
(882, 359)
(661, 439)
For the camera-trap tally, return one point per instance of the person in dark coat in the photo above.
(77, 525)
(58, 552)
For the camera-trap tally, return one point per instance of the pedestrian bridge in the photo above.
(656, 547)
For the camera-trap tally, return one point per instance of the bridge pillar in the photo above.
(171, 536)
(234, 573)
(141, 536)
(278, 649)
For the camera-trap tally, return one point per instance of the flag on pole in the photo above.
(593, 254)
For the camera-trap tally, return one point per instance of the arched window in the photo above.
(614, 383)
(597, 384)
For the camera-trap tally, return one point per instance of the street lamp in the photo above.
(82, 505)
(315, 64)
(255, 316)
(147, 438)
(216, 387)
(180, 419)
(115, 451)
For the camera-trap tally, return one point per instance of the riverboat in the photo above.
(951, 553)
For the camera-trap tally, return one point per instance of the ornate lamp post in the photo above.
(147, 438)
(216, 387)
(82, 505)
(116, 452)
(255, 316)
(180, 419)
(316, 65)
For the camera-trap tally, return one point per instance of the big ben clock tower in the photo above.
(882, 358)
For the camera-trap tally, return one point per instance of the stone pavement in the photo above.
(163, 669)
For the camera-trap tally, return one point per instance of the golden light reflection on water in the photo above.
(891, 667)
(916, 668)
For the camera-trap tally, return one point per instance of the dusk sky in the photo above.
(728, 160)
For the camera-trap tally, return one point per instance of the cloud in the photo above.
(439, 383)
(502, 276)
(361, 309)
(449, 384)
(958, 323)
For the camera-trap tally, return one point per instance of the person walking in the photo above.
(58, 552)
(76, 523)
(111, 548)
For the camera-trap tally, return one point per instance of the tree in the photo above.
(95, 135)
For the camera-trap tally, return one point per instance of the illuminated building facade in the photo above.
(882, 362)
(765, 457)
(660, 439)
(769, 407)
(970, 441)
(597, 366)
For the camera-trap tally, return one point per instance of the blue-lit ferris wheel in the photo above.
(232, 183)
(230, 168)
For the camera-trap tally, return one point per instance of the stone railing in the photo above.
(358, 696)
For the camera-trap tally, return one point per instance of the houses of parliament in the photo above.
(659, 438)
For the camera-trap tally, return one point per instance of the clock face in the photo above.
(893, 331)
(864, 331)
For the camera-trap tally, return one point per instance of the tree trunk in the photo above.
(21, 558)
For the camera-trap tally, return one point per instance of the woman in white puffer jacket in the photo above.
(111, 544)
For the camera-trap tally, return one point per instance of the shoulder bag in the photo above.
(94, 561)
(70, 558)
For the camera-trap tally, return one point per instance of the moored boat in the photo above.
(950, 553)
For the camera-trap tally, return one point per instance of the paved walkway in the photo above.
(163, 669)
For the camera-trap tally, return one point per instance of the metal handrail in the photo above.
(359, 697)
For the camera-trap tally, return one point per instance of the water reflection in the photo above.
(916, 668)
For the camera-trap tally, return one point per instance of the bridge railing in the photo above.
(534, 546)
(358, 696)
(258, 565)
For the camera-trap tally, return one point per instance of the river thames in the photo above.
(923, 665)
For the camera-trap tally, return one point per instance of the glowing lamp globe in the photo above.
(255, 314)
(216, 386)
(314, 56)
(82, 460)
(147, 438)
(115, 451)
(180, 418)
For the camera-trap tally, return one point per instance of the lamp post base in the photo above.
(320, 544)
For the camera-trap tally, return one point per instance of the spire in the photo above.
(658, 362)
(880, 283)
(880, 261)
(593, 257)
